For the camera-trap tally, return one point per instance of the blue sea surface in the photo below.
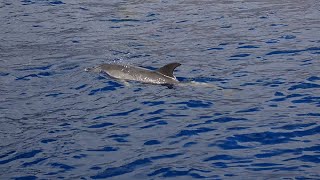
(59, 122)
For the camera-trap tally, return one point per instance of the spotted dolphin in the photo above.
(163, 75)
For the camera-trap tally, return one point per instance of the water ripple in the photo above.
(116, 171)
(274, 137)
(21, 156)
(293, 51)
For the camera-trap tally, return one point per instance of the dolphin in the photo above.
(163, 75)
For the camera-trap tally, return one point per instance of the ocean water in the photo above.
(59, 122)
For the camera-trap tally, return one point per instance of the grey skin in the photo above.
(163, 75)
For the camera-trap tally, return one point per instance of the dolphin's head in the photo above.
(96, 69)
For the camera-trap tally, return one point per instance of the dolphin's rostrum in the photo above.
(163, 75)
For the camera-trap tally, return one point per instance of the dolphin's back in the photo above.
(127, 72)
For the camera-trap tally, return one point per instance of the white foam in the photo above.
(200, 84)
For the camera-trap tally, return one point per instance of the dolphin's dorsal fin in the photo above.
(168, 69)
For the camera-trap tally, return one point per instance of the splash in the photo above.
(200, 84)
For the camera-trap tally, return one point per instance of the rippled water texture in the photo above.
(60, 122)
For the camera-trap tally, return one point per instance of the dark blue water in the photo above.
(60, 122)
